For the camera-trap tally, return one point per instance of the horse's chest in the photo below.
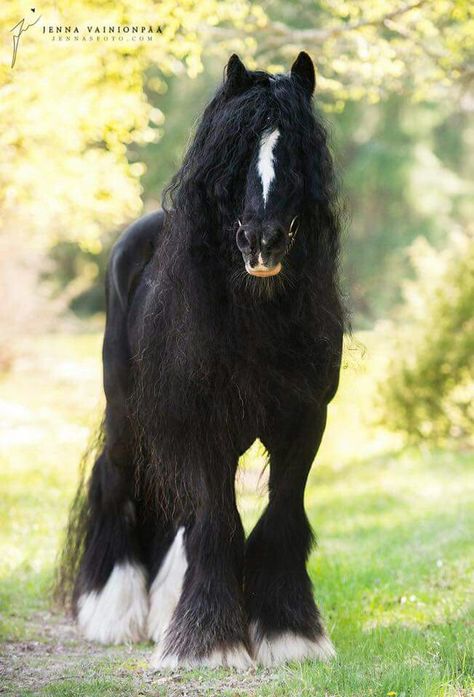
(261, 376)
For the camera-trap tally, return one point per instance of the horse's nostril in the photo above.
(246, 241)
(241, 240)
(274, 240)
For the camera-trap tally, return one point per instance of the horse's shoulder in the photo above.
(131, 253)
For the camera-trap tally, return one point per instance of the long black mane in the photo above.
(207, 326)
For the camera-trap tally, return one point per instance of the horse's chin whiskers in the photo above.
(261, 287)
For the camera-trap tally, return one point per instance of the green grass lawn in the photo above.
(393, 572)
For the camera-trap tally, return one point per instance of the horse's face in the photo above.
(272, 204)
(275, 187)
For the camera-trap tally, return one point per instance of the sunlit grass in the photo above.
(393, 571)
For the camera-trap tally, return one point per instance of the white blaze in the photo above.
(265, 160)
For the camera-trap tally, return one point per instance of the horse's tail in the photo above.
(72, 545)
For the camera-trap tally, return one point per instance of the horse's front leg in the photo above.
(285, 623)
(208, 627)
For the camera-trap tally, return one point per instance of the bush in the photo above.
(428, 393)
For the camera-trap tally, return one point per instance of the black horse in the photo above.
(224, 324)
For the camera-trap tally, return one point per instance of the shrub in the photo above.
(428, 393)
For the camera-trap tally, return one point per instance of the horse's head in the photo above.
(276, 183)
(257, 181)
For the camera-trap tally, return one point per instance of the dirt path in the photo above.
(59, 662)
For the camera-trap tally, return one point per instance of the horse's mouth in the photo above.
(263, 271)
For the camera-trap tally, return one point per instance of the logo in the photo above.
(21, 28)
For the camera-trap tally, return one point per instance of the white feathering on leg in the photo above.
(166, 589)
(289, 646)
(164, 597)
(117, 613)
(236, 657)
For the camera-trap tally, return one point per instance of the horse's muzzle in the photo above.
(263, 271)
(261, 250)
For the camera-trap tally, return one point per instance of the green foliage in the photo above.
(371, 48)
(405, 174)
(429, 390)
(68, 112)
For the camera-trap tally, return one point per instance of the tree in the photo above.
(371, 48)
(69, 109)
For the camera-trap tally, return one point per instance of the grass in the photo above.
(393, 572)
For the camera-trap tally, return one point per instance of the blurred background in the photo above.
(91, 130)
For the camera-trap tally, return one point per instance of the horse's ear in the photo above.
(237, 76)
(303, 69)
